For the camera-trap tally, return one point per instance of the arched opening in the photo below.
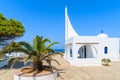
(87, 51)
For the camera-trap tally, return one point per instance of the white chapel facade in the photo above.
(88, 50)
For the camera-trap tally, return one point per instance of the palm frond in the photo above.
(9, 48)
(55, 61)
(49, 63)
(36, 43)
(60, 53)
(13, 61)
(2, 56)
(26, 45)
(43, 42)
(26, 61)
(48, 55)
(20, 50)
(51, 44)
(51, 51)
(29, 56)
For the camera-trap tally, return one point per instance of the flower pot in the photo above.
(44, 75)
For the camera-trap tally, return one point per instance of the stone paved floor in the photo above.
(68, 72)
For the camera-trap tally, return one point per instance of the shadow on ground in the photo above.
(18, 65)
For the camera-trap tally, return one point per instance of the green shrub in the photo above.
(106, 61)
(1, 60)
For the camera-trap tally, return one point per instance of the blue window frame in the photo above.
(106, 50)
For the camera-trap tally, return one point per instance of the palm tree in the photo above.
(38, 53)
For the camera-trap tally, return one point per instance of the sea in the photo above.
(59, 50)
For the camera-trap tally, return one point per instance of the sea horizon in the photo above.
(60, 50)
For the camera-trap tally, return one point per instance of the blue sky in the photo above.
(46, 17)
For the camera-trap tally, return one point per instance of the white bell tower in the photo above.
(69, 30)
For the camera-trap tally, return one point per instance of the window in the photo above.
(70, 52)
(106, 50)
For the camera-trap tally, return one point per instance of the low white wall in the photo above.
(3, 63)
(85, 62)
(51, 76)
(114, 58)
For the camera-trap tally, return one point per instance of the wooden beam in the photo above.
(87, 43)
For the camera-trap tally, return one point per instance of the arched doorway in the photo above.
(87, 51)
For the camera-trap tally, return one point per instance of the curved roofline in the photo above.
(69, 30)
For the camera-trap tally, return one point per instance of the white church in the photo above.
(88, 50)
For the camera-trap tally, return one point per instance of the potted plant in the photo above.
(39, 53)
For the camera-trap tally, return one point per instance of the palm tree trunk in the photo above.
(38, 66)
